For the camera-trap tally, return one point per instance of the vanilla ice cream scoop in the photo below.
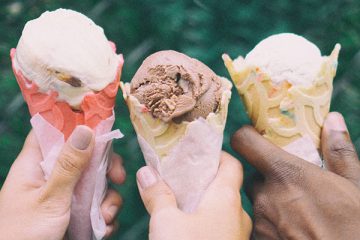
(66, 52)
(287, 57)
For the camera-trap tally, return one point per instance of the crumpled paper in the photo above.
(191, 164)
(305, 148)
(86, 221)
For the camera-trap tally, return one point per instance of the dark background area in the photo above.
(201, 29)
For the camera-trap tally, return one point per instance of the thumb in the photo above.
(154, 192)
(69, 166)
(338, 151)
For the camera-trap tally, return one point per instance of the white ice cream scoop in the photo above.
(287, 57)
(66, 52)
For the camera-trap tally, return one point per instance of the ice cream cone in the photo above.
(96, 111)
(70, 76)
(284, 113)
(185, 154)
(94, 108)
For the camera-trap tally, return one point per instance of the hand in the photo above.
(113, 201)
(32, 208)
(219, 214)
(299, 200)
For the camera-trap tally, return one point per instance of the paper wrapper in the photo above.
(186, 155)
(289, 116)
(86, 220)
(53, 122)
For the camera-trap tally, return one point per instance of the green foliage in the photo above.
(201, 29)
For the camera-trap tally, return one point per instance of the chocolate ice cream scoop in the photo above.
(176, 87)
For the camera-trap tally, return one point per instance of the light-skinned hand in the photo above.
(219, 215)
(298, 200)
(32, 208)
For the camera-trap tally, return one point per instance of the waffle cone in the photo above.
(93, 109)
(50, 115)
(186, 155)
(162, 136)
(284, 113)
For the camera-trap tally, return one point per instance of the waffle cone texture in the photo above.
(284, 113)
(94, 108)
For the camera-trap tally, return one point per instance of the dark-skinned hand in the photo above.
(295, 199)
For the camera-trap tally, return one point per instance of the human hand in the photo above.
(219, 215)
(32, 208)
(113, 201)
(299, 200)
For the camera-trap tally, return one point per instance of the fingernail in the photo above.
(81, 137)
(112, 210)
(335, 121)
(146, 177)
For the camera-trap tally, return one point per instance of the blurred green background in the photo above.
(201, 29)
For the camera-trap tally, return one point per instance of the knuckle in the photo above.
(284, 228)
(154, 192)
(258, 227)
(262, 228)
(107, 217)
(70, 164)
(118, 200)
(113, 198)
(342, 149)
(161, 189)
(290, 174)
(260, 204)
(285, 170)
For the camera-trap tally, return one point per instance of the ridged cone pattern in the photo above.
(93, 109)
(284, 113)
(162, 136)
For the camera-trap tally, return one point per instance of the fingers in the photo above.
(338, 151)
(254, 186)
(111, 206)
(72, 161)
(259, 152)
(117, 172)
(225, 189)
(155, 194)
(111, 229)
(230, 172)
(264, 229)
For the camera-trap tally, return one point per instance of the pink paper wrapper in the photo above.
(192, 163)
(305, 148)
(86, 220)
